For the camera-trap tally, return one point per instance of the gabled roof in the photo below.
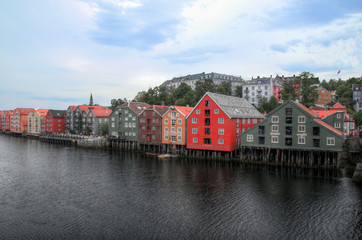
(42, 112)
(330, 113)
(338, 106)
(101, 112)
(160, 109)
(137, 107)
(57, 113)
(307, 109)
(73, 107)
(184, 110)
(234, 107)
(88, 107)
(328, 127)
(24, 111)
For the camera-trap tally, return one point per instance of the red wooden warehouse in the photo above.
(55, 121)
(217, 119)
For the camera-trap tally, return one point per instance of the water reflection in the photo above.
(51, 191)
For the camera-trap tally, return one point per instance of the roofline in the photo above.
(332, 114)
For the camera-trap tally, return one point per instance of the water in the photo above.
(61, 192)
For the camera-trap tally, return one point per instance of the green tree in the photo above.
(117, 102)
(224, 88)
(201, 87)
(266, 105)
(104, 128)
(357, 116)
(309, 91)
(238, 91)
(288, 92)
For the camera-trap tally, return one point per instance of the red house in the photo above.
(150, 124)
(5, 119)
(55, 121)
(216, 120)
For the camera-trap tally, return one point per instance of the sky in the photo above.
(54, 54)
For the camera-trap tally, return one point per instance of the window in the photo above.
(194, 140)
(301, 140)
(207, 113)
(166, 137)
(275, 139)
(261, 130)
(338, 115)
(126, 111)
(207, 140)
(331, 141)
(207, 131)
(126, 125)
(288, 142)
(301, 119)
(275, 128)
(198, 111)
(166, 129)
(262, 140)
(315, 142)
(207, 121)
(288, 112)
(248, 121)
(179, 121)
(206, 103)
(166, 121)
(301, 128)
(315, 131)
(172, 129)
(194, 131)
(337, 125)
(153, 128)
(194, 120)
(179, 129)
(220, 120)
(221, 131)
(288, 120)
(249, 138)
(173, 115)
(173, 138)
(153, 137)
(216, 111)
(173, 122)
(179, 138)
(288, 130)
(221, 141)
(275, 119)
(254, 121)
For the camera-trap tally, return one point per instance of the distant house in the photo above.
(324, 97)
(149, 125)
(36, 121)
(70, 120)
(216, 120)
(55, 121)
(123, 122)
(294, 126)
(19, 120)
(5, 120)
(174, 125)
(80, 117)
(95, 119)
(258, 88)
(357, 96)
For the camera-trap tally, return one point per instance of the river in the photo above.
(51, 191)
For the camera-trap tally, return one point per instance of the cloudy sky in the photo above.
(55, 53)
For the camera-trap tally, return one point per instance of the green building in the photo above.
(293, 134)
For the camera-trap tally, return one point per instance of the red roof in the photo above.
(328, 126)
(184, 110)
(88, 107)
(338, 106)
(101, 112)
(42, 112)
(307, 109)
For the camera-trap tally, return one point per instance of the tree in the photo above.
(201, 87)
(309, 91)
(104, 128)
(238, 91)
(357, 116)
(224, 88)
(266, 105)
(117, 102)
(288, 92)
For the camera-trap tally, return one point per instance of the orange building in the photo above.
(36, 121)
(174, 125)
(19, 120)
(324, 96)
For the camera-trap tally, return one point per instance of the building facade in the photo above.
(95, 119)
(324, 97)
(5, 119)
(216, 120)
(357, 96)
(36, 121)
(19, 120)
(174, 125)
(150, 125)
(258, 88)
(70, 119)
(55, 121)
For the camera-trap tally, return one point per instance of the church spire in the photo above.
(91, 100)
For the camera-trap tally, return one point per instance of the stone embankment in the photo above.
(357, 175)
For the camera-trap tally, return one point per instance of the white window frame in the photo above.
(194, 120)
(172, 129)
(301, 140)
(179, 121)
(331, 141)
(274, 139)
(179, 138)
(337, 125)
(179, 129)
(220, 120)
(301, 119)
(275, 119)
(194, 131)
(166, 121)
(166, 129)
(301, 128)
(216, 111)
(221, 131)
(254, 121)
(198, 111)
(249, 137)
(194, 140)
(220, 141)
(338, 115)
(275, 128)
(166, 137)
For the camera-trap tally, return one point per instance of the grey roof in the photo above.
(57, 113)
(235, 107)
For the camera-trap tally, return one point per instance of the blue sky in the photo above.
(55, 53)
